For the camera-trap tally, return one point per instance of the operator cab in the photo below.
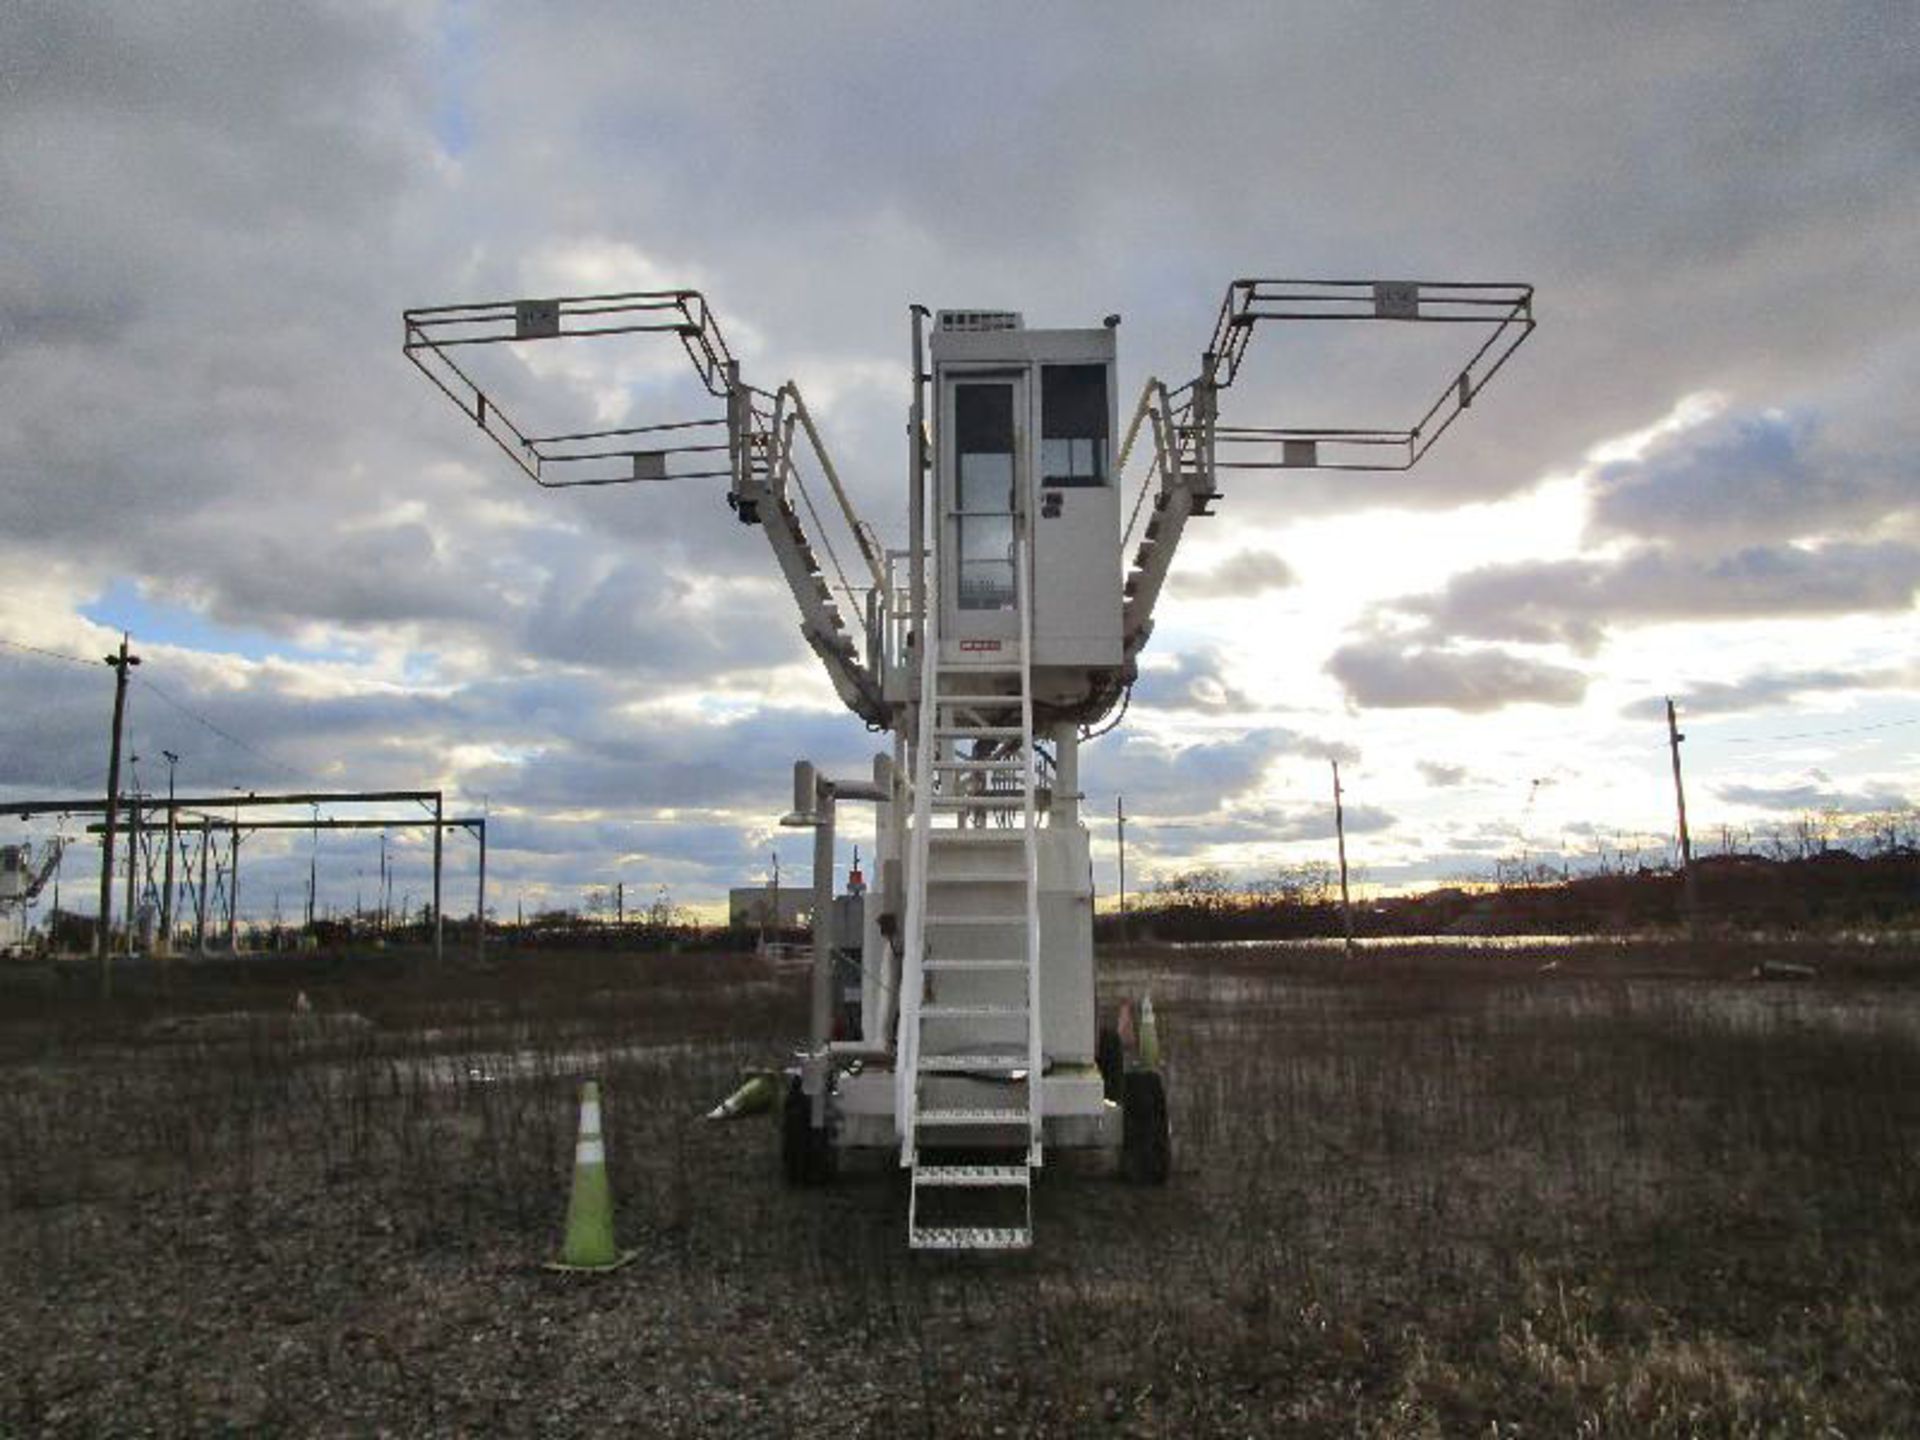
(1025, 421)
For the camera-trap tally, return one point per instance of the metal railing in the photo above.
(921, 773)
(433, 331)
(1504, 309)
(1030, 850)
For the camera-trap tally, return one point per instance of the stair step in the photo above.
(976, 967)
(978, 732)
(976, 877)
(973, 1175)
(938, 1011)
(941, 1064)
(965, 1116)
(975, 697)
(991, 800)
(1004, 919)
(975, 837)
(970, 1237)
(975, 766)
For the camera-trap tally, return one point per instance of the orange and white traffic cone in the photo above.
(589, 1241)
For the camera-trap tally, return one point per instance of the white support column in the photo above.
(1066, 775)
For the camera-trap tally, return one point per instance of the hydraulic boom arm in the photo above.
(759, 444)
(1190, 447)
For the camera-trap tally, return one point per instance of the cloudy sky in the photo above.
(1701, 477)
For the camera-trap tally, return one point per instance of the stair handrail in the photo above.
(1029, 842)
(1142, 412)
(912, 960)
(863, 537)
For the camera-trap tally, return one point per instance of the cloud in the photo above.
(1284, 824)
(1767, 689)
(1576, 602)
(1243, 574)
(1171, 781)
(1391, 674)
(642, 617)
(1194, 680)
(1439, 775)
(1814, 794)
(1744, 479)
(215, 215)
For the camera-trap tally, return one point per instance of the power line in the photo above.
(1815, 734)
(50, 654)
(224, 734)
(184, 709)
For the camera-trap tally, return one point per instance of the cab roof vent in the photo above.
(976, 320)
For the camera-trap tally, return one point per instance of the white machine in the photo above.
(22, 878)
(1007, 627)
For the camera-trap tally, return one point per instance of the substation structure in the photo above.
(1003, 636)
(178, 849)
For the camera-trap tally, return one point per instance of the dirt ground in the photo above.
(1621, 1190)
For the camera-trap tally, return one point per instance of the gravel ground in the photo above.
(1512, 1203)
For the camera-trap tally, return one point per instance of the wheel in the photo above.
(1111, 1056)
(806, 1154)
(1146, 1145)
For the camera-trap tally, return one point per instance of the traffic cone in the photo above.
(589, 1243)
(756, 1093)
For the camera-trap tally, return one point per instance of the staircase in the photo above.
(970, 1060)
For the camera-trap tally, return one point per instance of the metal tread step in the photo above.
(1002, 919)
(970, 1237)
(970, 1011)
(940, 1064)
(976, 766)
(972, 837)
(992, 800)
(976, 967)
(959, 1115)
(978, 732)
(978, 1176)
(976, 877)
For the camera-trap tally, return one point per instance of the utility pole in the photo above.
(102, 949)
(313, 866)
(60, 844)
(439, 841)
(1340, 838)
(166, 893)
(1692, 894)
(1120, 824)
(200, 893)
(480, 901)
(620, 903)
(770, 915)
(133, 861)
(233, 887)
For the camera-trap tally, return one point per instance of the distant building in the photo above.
(750, 907)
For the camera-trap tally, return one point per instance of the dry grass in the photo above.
(1435, 1193)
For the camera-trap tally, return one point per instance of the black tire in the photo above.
(806, 1154)
(1111, 1056)
(1146, 1143)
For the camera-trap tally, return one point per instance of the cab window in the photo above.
(1073, 425)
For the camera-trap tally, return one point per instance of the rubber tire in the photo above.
(1146, 1142)
(806, 1154)
(1110, 1055)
